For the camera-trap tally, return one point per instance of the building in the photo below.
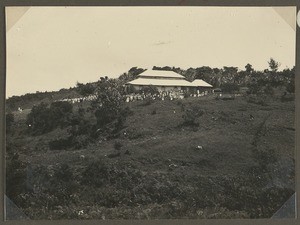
(167, 81)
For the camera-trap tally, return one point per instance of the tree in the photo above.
(60, 113)
(108, 106)
(273, 65)
(130, 75)
(43, 119)
(202, 72)
(249, 68)
(228, 74)
(229, 87)
(85, 89)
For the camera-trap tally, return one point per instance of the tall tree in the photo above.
(273, 65)
(249, 68)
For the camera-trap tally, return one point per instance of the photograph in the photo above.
(150, 112)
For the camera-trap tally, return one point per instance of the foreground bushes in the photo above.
(68, 193)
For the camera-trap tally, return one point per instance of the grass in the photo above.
(162, 158)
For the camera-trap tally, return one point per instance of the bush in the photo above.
(191, 115)
(39, 120)
(109, 108)
(43, 119)
(60, 113)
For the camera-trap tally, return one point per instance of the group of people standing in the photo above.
(163, 95)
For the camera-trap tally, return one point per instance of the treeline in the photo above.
(227, 78)
(257, 81)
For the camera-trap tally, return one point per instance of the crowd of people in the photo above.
(163, 95)
(159, 95)
(77, 100)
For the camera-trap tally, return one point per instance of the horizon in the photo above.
(54, 47)
(74, 86)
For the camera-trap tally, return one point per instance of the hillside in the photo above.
(236, 161)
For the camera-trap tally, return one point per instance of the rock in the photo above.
(199, 147)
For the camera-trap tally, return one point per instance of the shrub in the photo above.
(108, 104)
(109, 108)
(38, 119)
(43, 119)
(60, 113)
(191, 115)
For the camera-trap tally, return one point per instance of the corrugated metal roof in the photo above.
(161, 82)
(200, 83)
(160, 73)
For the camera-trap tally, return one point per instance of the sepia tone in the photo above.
(217, 143)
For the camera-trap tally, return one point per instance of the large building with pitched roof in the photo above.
(166, 81)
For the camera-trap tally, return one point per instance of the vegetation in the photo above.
(191, 158)
(43, 119)
(85, 90)
(9, 121)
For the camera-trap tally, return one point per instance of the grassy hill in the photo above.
(236, 161)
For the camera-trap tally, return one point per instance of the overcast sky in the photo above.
(50, 48)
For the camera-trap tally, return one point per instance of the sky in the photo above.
(50, 48)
